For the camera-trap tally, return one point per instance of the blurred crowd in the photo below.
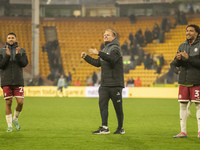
(52, 49)
(134, 47)
(36, 81)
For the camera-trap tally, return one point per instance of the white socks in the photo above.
(183, 116)
(105, 127)
(16, 115)
(198, 115)
(9, 120)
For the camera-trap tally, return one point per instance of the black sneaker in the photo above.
(119, 131)
(101, 131)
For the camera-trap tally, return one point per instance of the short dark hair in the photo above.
(113, 31)
(11, 33)
(196, 27)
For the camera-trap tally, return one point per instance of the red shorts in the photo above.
(13, 91)
(189, 93)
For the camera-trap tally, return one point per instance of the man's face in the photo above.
(108, 37)
(11, 39)
(191, 34)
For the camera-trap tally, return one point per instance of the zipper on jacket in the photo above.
(12, 59)
(188, 63)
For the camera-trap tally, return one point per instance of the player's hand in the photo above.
(93, 51)
(83, 55)
(178, 55)
(18, 50)
(7, 50)
(179, 72)
(185, 55)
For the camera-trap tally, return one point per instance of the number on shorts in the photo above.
(21, 89)
(196, 93)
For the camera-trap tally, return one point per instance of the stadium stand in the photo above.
(77, 36)
(84, 35)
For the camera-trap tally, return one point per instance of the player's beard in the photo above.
(12, 43)
(191, 40)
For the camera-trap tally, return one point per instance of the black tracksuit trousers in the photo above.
(115, 94)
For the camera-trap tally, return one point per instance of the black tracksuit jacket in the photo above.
(11, 66)
(111, 62)
(190, 68)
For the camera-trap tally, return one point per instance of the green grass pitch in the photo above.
(67, 124)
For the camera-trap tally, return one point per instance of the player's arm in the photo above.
(112, 57)
(90, 60)
(22, 58)
(194, 60)
(4, 60)
(174, 68)
(177, 62)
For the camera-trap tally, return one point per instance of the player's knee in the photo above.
(20, 103)
(197, 106)
(8, 103)
(183, 106)
(103, 107)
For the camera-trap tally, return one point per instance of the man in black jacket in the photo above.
(112, 79)
(12, 60)
(188, 60)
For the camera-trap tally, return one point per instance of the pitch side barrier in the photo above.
(89, 91)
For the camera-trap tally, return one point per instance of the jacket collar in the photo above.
(14, 45)
(113, 42)
(196, 41)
